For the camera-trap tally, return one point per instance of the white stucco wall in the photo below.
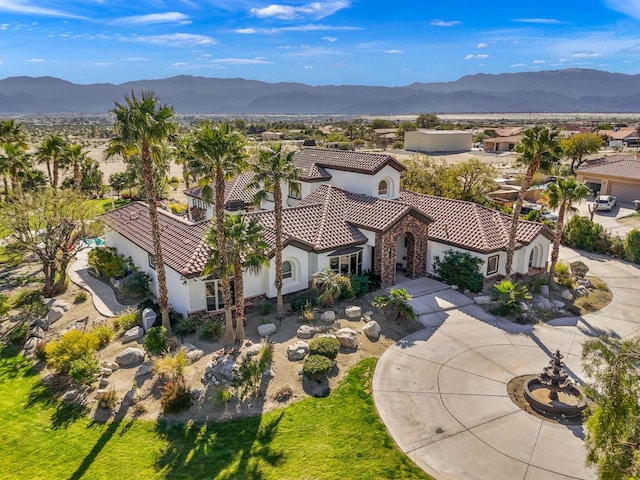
(299, 281)
(438, 140)
(367, 184)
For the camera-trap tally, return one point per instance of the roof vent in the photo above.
(134, 215)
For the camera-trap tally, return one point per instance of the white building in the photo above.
(438, 141)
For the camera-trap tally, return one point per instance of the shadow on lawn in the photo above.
(206, 450)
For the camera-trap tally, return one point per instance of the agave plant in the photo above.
(510, 295)
(330, 285)
(396, 305)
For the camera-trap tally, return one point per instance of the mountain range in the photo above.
(570, 90)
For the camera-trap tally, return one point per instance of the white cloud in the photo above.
(543, 21)
(308, 51)
(246, 31)
(4, 26)
(518, 65)
(298, 28)
(394, 52)
(103, 64)
(136, 59)
(242, 61)
(330, 39)
(22, 6)
(173, 40)
(443, 23)
(480, 56)
(315, 10)
(35, 60)
(482, 45)
(154, 18)
(306, 67)
(628, 7)
(539, 62)
(180, 64)
(586, 55)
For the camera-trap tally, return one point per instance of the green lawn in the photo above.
(104, 204)
(339, 437)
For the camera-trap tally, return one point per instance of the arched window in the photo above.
(287, 270)
(383, 188)
(533, 257)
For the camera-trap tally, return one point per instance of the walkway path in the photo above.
(442, 391)
(103, 297)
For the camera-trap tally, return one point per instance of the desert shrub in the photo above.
(80, 297)
(563, 275)
(395, 305)
(460, 268)
(330, 285)
(104, 333)
(582, 233)
(107, 399)
(615, 246)
(186, 326)
(283, 394)
(375, 281)
(5, 305)
(632, 246)
(325, 346)
(579, 269)
(84, 370)
(210, 330)
(510, 295)
(71, 346)
(39, 351)
(26, 297)
(266, 308)
(360, 284)
(223, 395)
(156, 340)
(135, 285)
(125, 321)
(299, 301)
(265, 356)
(536, 282)
(307, 315)
(107, 262)
(171, 366)
(35, 309)
(176, 397)
(247, 380)
(316, 367)
(178, 208)
(18, 334)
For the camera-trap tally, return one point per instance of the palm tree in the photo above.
(330, 284)
(142, 126)
(246, 252)
(562, 195)
(14, 163)
(217, 155)
(539, 149)
(10, 131)
(271, 170)
(51, 151)
(75, 156)
(396, 305)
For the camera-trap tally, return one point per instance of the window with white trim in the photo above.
(383, 187)
(213, 295)
(296, 192)
(350, 264)
(152, 261)
(287, 270)
(492, 264)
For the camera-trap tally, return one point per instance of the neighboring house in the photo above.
(623, 134)
(351, 217)
(438, 140)
(617, 175)
(270, 136)
(501, 144)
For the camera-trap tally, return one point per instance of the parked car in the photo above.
(528, 207)
(605, 202)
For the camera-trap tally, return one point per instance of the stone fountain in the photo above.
(553, 392)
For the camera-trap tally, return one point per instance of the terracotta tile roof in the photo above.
(471, 226)
(508, 131)
(619, 134)
(182, 241)
(312, 162)
(234, 190)
(621, 166)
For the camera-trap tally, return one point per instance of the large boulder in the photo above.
(372, 330)
(482, 299)
(306, 331)
(566, 294)
(55, 314)
(37, 332)
(132, 334)
(63, 304)
(581, 291)
(297, 351)
(558, 303)
(544, 290)
(193, 353)
(130, 357)
(348, 338)
(222, 368)
(267, 329)
(353, 312)
(328, 316)
(542, 303)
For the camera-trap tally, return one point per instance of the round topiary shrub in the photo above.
(325, 346)
(156, 340)
(316, 367)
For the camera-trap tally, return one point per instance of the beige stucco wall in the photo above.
(438, 141)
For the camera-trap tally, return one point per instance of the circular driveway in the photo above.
(442, 392)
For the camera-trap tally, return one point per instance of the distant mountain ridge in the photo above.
(570, 90)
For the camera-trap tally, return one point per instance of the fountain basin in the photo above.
(570, 402)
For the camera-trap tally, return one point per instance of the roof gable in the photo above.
(313, 162)
(621, 166)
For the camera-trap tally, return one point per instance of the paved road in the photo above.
(442, 391)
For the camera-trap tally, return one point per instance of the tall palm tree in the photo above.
(10, 131)
(51, 151)
(142, 126)
(217, 155)
(539, 149)
(562, 195)
(271, 170)
(246, 252)
(15, 162)
(75, 156)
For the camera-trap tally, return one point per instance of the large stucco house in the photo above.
(350, 216)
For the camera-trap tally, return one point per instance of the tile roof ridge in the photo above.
(324, 214)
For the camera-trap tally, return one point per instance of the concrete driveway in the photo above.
(442, 391)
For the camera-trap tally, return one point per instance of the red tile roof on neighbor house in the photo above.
(313, 162)
(234, 190)
(621, 166)
(620, 133)
(471, 226)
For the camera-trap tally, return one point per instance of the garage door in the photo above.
(625, 192)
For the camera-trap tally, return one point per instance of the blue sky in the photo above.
(319, 42)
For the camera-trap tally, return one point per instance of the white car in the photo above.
(605, 202)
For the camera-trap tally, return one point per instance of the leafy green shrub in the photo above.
(84, 369)
(223, 395)
(176, 397)
(396, 305)
(375, 280)
(5, 305)
(536, 282)
(104, 333)
(632, 246)
(325, 346)
(510, 295)
(247, 380)
(26, 297)
(330, 285)
(316, 367)
(210, 330)
(460, 268)
(265, 308)
(178, 208)
(125, 321)
(135, 285)
(18, 334)
(73, 345)
(265, 356)
(299, 301)
(80, 297)
(563, 275)
(579, 269)
(360, 284)
(582, 233)
(156, 340)
(186, 326)
(35, 309)
(171, 366)
(108, 262)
